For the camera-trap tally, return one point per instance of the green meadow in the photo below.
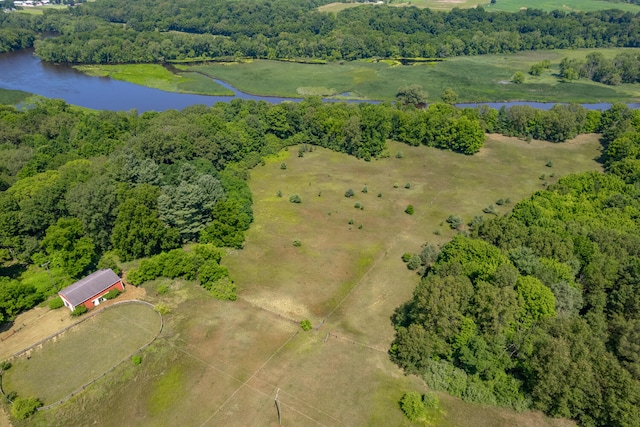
(221, 363)
(483, 78)
(157, 77)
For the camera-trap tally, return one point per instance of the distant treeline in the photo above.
(117, 31)
(624, 68)
(540, 308)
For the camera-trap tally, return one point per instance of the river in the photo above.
(24, 71)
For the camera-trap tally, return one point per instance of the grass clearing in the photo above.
(500, 5)
(484, 78)
(13, 97)
(82, 353)
(221, 363)
(158, 77)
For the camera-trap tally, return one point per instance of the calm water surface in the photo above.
(23, 71)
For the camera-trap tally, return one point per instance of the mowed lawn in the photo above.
(222, 363)
(82, 353)
(483, 78)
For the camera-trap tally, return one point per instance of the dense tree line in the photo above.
(540, 308)
(624, 68)
(158, 31)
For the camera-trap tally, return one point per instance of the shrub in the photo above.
(549, 164)
(10, 396)
(409, 210)
(56, 303)
(297, 243)
(224, 289)
(414, 263)
(163, 289)
(430, 400)
(490, 210)
(500, 202)
(79, 310)
(162, 309)
(360, 227)
(365, 189)
(5, 365)
(412, 406)
(294, 198)
(357, 205)
(23, 407)
(407, 185)
(351, 221)
(518, 77)
(283, 165)
(406, 256)
(136, 360)
(279, 193)
(379, 194)
(305, 325)
(454, 222)
(349, 193)
(399, 155)
(111, 294)
(395, 185)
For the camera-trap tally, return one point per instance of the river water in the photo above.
(24, 71)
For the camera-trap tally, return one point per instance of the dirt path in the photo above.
(40, 322)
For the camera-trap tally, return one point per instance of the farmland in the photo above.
(221, 363)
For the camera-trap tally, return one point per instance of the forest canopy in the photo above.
(540, 308)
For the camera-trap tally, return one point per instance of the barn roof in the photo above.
(90, 286)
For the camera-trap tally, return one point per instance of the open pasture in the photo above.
(82, 353)
(222, 363)
(483, 78)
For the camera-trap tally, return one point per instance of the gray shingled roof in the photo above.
(91, 285)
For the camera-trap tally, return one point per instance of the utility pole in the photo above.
(46, 265)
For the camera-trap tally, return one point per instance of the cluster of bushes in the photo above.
(201, 262)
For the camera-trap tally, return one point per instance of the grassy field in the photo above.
(500, 5)
(475, 79)
(82, 353)
(158, 77)
(222, 363)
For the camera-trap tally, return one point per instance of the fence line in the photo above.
(60, 332)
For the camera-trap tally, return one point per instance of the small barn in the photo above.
(90, 290)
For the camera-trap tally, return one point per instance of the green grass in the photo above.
(566, 5)
(158, 77)
(500, 5)
(484, 78)
(13, 97)
(39, 10)
(82, 353)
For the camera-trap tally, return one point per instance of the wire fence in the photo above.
(62, 331)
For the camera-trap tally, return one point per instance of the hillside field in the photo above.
(222, 363)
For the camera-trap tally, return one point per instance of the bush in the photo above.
(162, 309)
(56, 303)
(5, 365)
(430, 400)
(305, 325)
(412, 406)
(283, 166)
(111, 294)
(224, 289)
(414, 263)
(351, 221)
(297, 243)
(162, 289)
(399, 155)
(406, 256)
(136, 360)
(407, 185)
(79, 310)
(23, 407)
(349, 193)
(365, 189)
(379, 194)
(549, 164)
(279, 193)
(409, 210)
(500, 202)
(454, 222)
(490, 210)
(295, 198)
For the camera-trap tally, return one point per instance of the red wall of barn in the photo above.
(118, 285)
